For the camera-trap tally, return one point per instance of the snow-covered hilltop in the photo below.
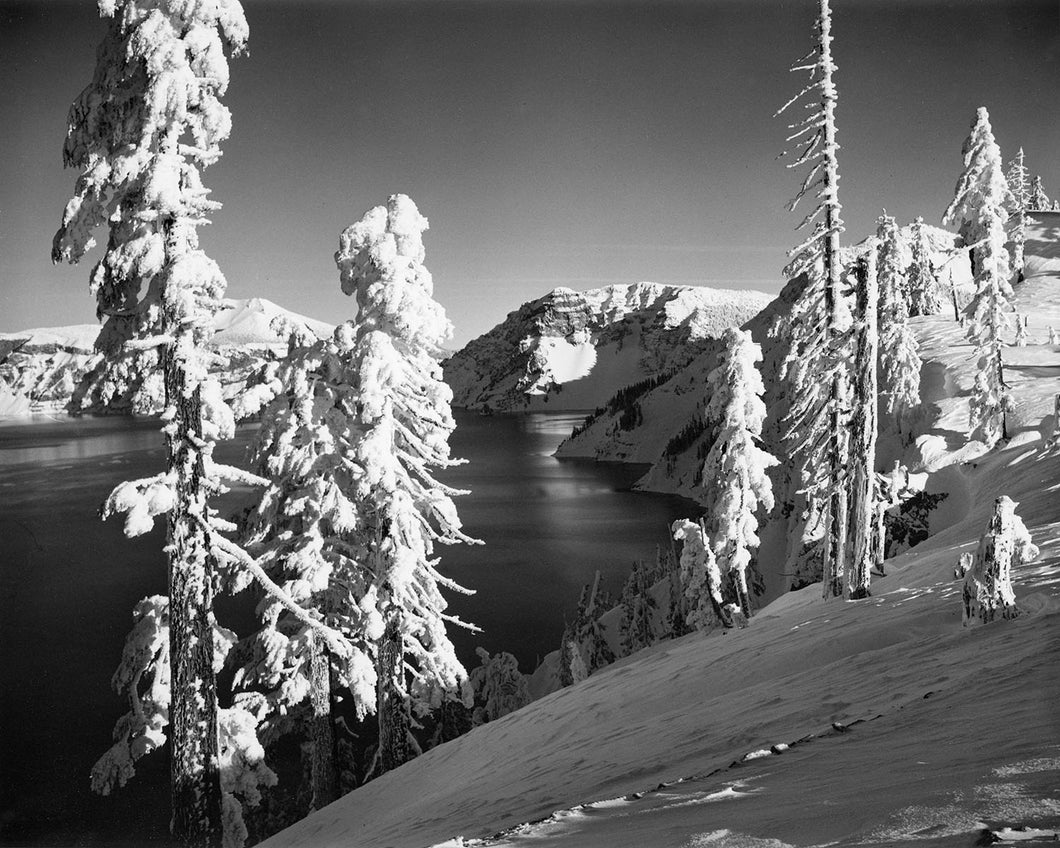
(573, 350)
(40, 368)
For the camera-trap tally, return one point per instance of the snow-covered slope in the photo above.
(873, 722)
(573, 350)
(40, 368)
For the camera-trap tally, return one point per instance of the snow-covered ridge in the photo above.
(39, 368)
(573, 350)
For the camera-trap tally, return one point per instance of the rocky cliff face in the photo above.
(39, 369)
(573, 350)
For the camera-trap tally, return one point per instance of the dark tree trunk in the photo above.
(321, 729)
(194, 771)
(863, 432)
(391, 705)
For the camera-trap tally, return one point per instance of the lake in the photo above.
(68, 583)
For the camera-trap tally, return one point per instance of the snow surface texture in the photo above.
(873, 722)
(573, 350)
(40, 368)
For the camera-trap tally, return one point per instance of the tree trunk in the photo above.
(713, 589)
(194, 770)
(836, 506)
(837, 518)
(321, 730)
(391, 705)
(862, 473)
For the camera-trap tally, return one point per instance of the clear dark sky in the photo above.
(549, 142)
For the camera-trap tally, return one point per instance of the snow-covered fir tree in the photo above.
(140, 133)
(1038, 200)
(1017, 177)
(925, 291)
(499, 685)
(1021, 331)
(637, 630)
(899, 357)
(583, 646)
(403, 420)
(816, 431)
(979, 210)
(734, 473)
(588, 631)
(306, 530)
(988, 583)
(701, 577)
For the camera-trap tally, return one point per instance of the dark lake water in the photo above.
(68, 583)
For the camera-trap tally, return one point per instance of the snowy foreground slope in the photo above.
(40, 368)
(873, 722)
(573, 350)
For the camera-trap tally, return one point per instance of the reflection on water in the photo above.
(68, 583)
(548, 526)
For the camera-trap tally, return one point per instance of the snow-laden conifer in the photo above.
(815, 429)
(925, 291)
(140, 133)
(637, 629)
(899, 357)
(1021, 331)
(589, 633)
(1006, 544)
(979, 210)
(305, 530)
(734, 473)
(403, 420)
(1038, 200)
(700, 575)
(1016, 177)
(500, 686)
